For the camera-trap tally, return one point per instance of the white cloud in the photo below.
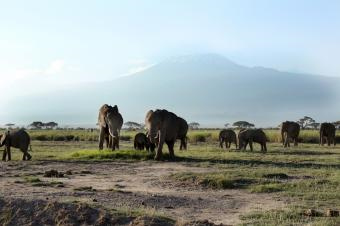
(55, 67)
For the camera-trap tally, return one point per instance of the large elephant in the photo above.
(248, 136)
(289, 130)
(164, 127)
(17, 139)
(227, 136)
(141, 141)
(327, 131)
(182, 133)
(109, 119)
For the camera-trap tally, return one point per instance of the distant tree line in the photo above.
(42, 125)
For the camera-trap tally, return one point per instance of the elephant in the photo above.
(252, 135)
(109, 121)
(141, 141)
(327, 131)
(182, 133)
(17, 139)
(289, 130)
(228, 136)
(164, 127)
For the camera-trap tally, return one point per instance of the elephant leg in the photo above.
(236, 145)
(296, 142)
(110, 141)
(171, 145)
(245, 145)
(101, 137)
(117, 143)
(9, 153)
(264, 147)
(221, 143)
(113, 146)
(160, 144)
(329, 141)
(184, 143)
(251, 145)
(4, 155)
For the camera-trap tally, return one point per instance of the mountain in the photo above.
(206, 88)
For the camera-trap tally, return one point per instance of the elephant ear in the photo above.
(148, 115)
(3, 139)
(102, 113)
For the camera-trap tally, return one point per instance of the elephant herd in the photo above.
(164, 127)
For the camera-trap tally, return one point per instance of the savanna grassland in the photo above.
(285, 186)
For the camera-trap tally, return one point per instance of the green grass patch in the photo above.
(112, 155)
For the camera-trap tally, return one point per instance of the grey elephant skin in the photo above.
(227, 136)
(110, 122)
(182, 133)
(290, 131)
(327, 132)
(16, 139)
(141, 141)
(164, 127)
(248, 136)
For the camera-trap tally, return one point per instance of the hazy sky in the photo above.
(49, 44)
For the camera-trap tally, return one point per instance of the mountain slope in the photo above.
(208, 88)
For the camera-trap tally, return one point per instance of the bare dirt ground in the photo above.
(143, 185)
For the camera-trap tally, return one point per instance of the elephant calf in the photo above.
(17, 139)
(227, 136)
(141, 141)
(327, 131)
(248, 136)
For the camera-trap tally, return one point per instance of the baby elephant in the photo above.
(250, 136)
(141, 141)
(227, 136)
(17, 139)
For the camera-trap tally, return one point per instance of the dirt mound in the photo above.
(40, 212)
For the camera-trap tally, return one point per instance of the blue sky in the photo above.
(45, 45)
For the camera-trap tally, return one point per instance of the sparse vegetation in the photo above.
(308, 174)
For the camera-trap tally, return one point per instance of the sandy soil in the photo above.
(133, 185)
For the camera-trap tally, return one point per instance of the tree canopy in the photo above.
(194, 125)
(243, 124)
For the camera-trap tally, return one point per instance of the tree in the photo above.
(36, 125)
(337, 124)
(315, 125)
(306, 122)
(50, 125)
(133, 125)
(226, 125)
(9, 125)
(194, 125)
(243, 124)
